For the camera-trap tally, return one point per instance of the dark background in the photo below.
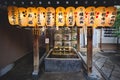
(53, 3)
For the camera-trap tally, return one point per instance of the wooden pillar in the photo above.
(89, 49)
(47, 40)
(71, 29)
(78, 39)
(36, 33)
(84, 37)
(101, 39)
(51, 39)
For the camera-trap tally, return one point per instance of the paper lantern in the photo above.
(111, 13)
(60, 16)
(41, 16)
(100, 14)
(50, 16)
(70, 16)
(31, 16)
(13, 15)
(80, 16)
(22, 17)
(90, 16)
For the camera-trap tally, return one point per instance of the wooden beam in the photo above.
(36, 33)
(78, 39)
(89, 49)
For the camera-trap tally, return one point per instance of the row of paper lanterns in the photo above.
(80, 16)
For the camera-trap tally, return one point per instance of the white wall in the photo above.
(96, 38)
(108, 39)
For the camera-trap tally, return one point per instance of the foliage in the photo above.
(117, 24)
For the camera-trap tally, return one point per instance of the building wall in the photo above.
(108, 43)
(112, 40)
(14, 42)
(96, 37)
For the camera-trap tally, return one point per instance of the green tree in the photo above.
(117, 27)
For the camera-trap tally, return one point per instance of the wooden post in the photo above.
(84, 37)
(71, 29)
(51, 39)
(47, 41)
(36, 33)
(78, 39)
(101, 39)
(89, 49)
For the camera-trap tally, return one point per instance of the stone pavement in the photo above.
(62, 76)
(108, 64)
(23, 71)
(95, 75)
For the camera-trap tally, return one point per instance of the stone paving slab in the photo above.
(107, 71)
(99, 64)
(117, 68)
(109, 67)
(114, 78)
(62, 76)
(102, 59)
(116, 73)
(95, 58)
(95, 75)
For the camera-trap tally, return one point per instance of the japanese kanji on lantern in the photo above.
(70, 16)
(111, 13)
(31, 15)
(89, 16)
(35, 17)
(22, 17)
(100, 14)
(50, 16)
(80, 16)
(41, 16)
(60, 16)
(13, 15)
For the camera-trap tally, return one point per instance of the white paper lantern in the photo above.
(50, 16)
(80, 16)
(13, 15)
(41, 16)
(70, 16)
(60, 16)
